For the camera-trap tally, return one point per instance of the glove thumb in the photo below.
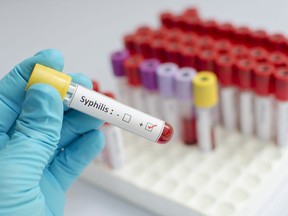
(36, 135)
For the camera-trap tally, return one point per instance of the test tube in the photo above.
(264, 101)
(205, 92)
(113, 152)
(228, 93)
(102, 107)
(118, 58)
(166, 85)
(135, 90)
(244, 73)
(149, 80)
(186, 108)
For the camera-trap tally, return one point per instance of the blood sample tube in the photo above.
(205, 92)
(130, 43)
(167, 19)
(243, 35)
(158, 49)
(223, 46)
(259, 54)
(278, 59)
(239, 51)
(192, 24)
(209, 27)
(143, 47)
(149, 81)
(206, 42)
(281, 94)
(224, 70)
(166, 85)
(174, 36)
(173, 52)
(118, 58)
(206, 60)
(102, 107)
(185, 105)
(226, 30)
(244, 72)
(277, 42)
(144, 30)
(264, 101)
(113, 153)
(192, 12)
(159, 34)
(189, 39)
(135, 90)
(259, 38)
(188, 56)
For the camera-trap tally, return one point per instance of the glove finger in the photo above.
(68, 164)
(35, 138)
(76, 123)
(12, 86)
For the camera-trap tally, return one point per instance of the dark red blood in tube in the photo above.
(243, 35)
(143, 45)
(131, 67)
(259, 54)
(130, 43)
(158, 49)
(109, 94)
(259, 38)
(281, 84)
(95, 85)
(209, 27)
(188, 130)
(278, 59)
(224, 70)
(166, 135)
(239, 51)
(206, 60)
(188, 56)
(223, 46)
(263, 76)
(277, 42)
(172, 52)
(167, 19)
(244, 73)
(226, 30)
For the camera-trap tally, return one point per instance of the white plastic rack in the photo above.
(237, 179)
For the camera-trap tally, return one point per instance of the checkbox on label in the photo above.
(149, 127)
(126, 118)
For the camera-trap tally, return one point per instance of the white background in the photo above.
(87, 31)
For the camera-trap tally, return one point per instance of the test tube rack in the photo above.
(236, 179)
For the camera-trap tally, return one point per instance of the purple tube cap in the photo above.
(184, 83)
(166, 79)
(148, 73)
(117, 59)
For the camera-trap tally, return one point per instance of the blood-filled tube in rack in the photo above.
(166, 85)
(149, 81)
(263, 74)
(281, 95)
(244, 73)
(224, 70)
(135, 90)
(102, 107)
(186, 108)
(118, 58)
(205, 92)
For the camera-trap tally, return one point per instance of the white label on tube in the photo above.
(264, 117)
(170, 114)
(246, 112)
(114, 148)
(113, 112)
(282, 123)
(152, 103)
(205, 129)
(228, 107)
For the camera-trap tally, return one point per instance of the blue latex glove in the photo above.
(34, 172)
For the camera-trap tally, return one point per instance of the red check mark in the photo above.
(151, 126)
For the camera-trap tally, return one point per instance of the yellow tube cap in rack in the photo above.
(46, 75)
(205, 89)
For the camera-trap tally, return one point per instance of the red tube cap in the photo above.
(206, 42)
(263, 76)
(172, 52)
(277, 42)
(259, 54)
(226, 30)
(281, 84)
(192, 24)
(167, 19)
(188, 56)
(159, 34)
(130, 43)
(192, 12)
(158, 49)
(144, 30)
(224, 69)
(174, 35)
(239, 51)
(223, 46)
(243, 35)
(143, 45)
(206, 60)
(278, 59)
(244, 73)
(131, 67)
(189, 39)
(210, 27)
(259, 38)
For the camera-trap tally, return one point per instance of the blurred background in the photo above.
(87, 31)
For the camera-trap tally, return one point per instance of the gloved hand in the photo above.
(43, 148)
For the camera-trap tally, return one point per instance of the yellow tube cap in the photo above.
(205, 89)
(46, 75)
